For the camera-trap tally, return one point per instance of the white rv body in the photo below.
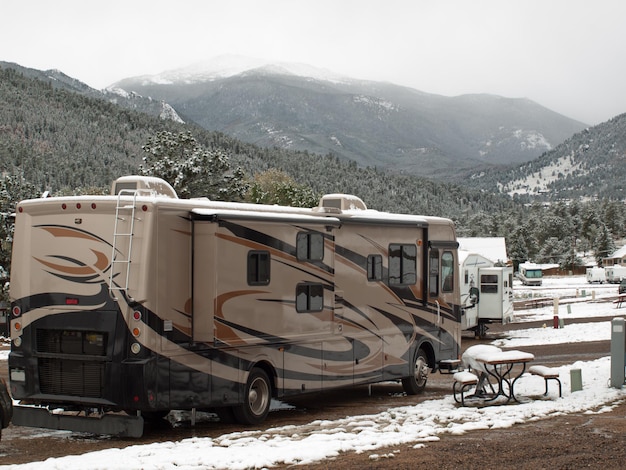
(530, 274)
(493, 300)
(614, 274)
(596, 274)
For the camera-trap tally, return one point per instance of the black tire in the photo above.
(416, 382)
(257, 399)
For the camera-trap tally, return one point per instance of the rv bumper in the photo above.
(113, 424)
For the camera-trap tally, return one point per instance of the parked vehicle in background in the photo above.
(596, 274)
(530, 274)
(622, 287)
(486, 292)
(614, 274)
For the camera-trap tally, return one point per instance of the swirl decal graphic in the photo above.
(83, 259)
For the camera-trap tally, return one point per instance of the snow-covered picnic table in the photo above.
(501, 365)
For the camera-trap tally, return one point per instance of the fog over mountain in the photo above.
(299, 107)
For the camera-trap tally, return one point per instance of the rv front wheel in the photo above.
(416, 382)
(257, 398)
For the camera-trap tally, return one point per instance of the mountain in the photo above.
(590, 164)
(298, 107)
(60, 140)
(133, 101)
(56, 139)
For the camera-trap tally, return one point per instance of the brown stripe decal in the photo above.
(102, 262)
(67, 232)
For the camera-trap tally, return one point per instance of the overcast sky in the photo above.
(567, 55)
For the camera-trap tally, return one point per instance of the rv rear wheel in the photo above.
(257, 398)
(416, 382)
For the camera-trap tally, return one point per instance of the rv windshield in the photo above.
(533, 273)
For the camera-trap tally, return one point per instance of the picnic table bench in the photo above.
(463, 381)
(548, 373)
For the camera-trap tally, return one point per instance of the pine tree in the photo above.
(603, 243)
(276, 187)
(192, 170)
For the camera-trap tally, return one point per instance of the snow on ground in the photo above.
(417, 425)
(571, 288)
(570, 333)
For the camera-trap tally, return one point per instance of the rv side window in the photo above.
(466, 277)
(258, 268)
(310, 246)
(309, 297)
(488, 284)
(374, 268)
(447, 271)
(433, 273)
(402, 264)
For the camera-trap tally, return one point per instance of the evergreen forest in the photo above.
(65, 143)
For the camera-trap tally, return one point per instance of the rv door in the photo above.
(442, 285)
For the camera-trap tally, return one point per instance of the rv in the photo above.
(614, 274)
(530, 274)
(596, 275)
(127, 306)
(486, 292)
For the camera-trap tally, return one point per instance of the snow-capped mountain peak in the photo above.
(231, 65)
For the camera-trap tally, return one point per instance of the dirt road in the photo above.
(570, 441)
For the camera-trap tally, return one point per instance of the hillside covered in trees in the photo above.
(590, 164)
(63, 142)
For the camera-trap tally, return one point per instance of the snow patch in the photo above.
(538, 181)
(226, 66)
(169, 113)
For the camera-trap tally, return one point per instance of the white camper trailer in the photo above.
(596, 274)
(486, 292)
(614, 274)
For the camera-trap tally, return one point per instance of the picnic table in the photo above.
(503, 366)
(620, 300)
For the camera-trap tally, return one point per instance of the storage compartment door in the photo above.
(204, 280)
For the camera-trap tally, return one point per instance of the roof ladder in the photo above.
(122, 238)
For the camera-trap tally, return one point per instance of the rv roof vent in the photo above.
(341, 202)
(146, 185)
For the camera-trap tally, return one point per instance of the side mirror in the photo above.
(474, 295)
